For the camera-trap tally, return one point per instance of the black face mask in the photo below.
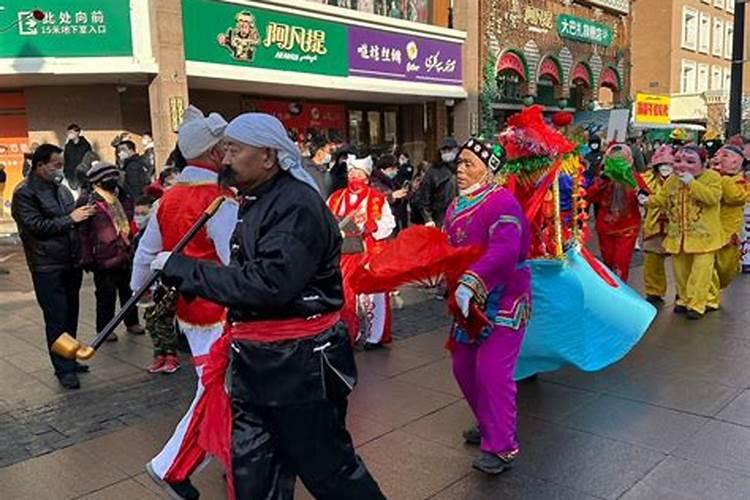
(226, 177)
(109, 184)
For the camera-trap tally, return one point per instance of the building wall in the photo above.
(652, 46)
(506, 25)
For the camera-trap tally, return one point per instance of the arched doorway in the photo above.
(512, 76)
(610, 87)
(581, 82)
(549, 81)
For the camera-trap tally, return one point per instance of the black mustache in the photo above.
(227, 177)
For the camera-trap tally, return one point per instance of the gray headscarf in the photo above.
(265, 131)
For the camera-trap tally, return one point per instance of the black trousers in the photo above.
(57, 295)
(295, 425)
(108, 285)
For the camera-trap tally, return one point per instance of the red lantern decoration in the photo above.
(562, 119)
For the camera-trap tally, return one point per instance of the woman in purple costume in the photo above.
(499, 284)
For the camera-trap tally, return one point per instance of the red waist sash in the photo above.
(215, 433)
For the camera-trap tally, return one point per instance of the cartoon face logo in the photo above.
(242, 39)
(412, 51)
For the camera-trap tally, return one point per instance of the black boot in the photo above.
(178, 491)
(491, 463)
(473, 436)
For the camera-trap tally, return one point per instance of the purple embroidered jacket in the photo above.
(500, 280)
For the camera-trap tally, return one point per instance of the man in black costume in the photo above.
(291, 366)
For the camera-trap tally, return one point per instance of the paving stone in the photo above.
(738, 411)
(550, 401)
(679, 479)
(508, 486)
(636, 423)
(720, 444)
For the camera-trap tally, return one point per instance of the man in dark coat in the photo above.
(439, 185)
(76, 147)
(292, 366)
(46, 217)
(135, 169)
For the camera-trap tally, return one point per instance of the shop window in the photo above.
(687, 80)
(391, 127)
(728, 40)
(702, 77)
(373, 123)
(356, 127)
(718, 37)
(410, 10)
(509, 86)
(689, 28)
(546, 93)
(578, 97)
(716, 79)
(704, 37)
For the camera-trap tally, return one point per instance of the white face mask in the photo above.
(327, 159)
(402, 161)
(594, 146)
(140, 221)
(448, 156)
(123, 155)
(665, 170)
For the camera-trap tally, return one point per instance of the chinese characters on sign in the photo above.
(652, 109)
(312, 43)
(583, 30)
(538, 18)
(380, 54)
(70, 28)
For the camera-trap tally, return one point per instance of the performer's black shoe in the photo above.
(81, 368)
(712, 309)
(370, 346)
(680, 309)
(177, 491)
(491, 463)
(655, 300)
(69, 380)
(473, 436)
(694, 315)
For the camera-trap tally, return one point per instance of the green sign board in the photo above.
(70, 28)
(228, 33)
(583, 30)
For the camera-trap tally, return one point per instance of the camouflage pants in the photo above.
(160, 325)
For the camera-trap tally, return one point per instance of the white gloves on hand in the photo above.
(160, 261)
(463, 299)
(430, 224)
(686, 178)
(642, 199)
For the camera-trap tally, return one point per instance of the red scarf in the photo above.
(215, 433)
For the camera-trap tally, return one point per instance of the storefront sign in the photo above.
(227, 33)
(380, 54)
(70, 28)
(583, 30)
(652, 109)
(539, 18)
(301, 117)
(622, 6)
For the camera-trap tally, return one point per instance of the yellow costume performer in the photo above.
(655, 228)
(691, 199)
(735, 195)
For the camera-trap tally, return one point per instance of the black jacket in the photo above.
(285, 258)
(136, 176)
(437, 191)
(73, 155)
(42, 210)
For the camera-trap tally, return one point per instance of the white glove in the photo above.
(642, 199)
(463, 299)
(686, 178)
(160, 261)
(430, 224)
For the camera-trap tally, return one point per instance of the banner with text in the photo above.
(652, 109)
(69, 28)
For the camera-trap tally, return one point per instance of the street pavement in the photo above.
(671, 421)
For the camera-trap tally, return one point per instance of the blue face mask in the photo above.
(391, 174)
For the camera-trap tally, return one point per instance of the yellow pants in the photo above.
(693, 275)
(655, 274)
(727, 266)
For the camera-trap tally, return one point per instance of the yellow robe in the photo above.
(654, 231)
(693, 234)
(735, 195)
